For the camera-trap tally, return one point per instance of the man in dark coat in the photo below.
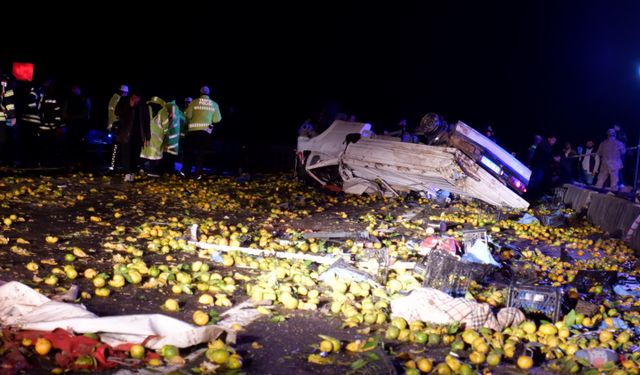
(133, 122)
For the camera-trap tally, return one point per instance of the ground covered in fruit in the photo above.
(126, 247)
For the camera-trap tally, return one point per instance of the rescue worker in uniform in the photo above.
(158, 126)
(174, 135)
(201, 114)
(8, 128)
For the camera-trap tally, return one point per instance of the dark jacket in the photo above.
(133, 121)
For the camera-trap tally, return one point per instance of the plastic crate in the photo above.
(533, 299)
(443, 271)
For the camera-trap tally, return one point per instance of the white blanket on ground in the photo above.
(23, 307)
(433, 306)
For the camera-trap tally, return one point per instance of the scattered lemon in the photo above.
(326, 346)
(200, 317)
(171, 305)
(424, 364)
(43, 346)
(137, 351)
(218, 356)
(525, 362)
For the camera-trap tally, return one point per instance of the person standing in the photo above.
(76, 113)
(154, 145)
(590, 162)
(611, 152)
(49, 134)
(8, 128)
(131, 128)
(174, 135)
(112, 119)
(201, 114)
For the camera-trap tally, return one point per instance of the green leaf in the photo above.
(307, 263)
(214, 316)
(373, 356)
(571, 318)
(277, 319)
(360, 363)
(370, 344)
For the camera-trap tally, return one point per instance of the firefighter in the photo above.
(201, 114)
(8, 129)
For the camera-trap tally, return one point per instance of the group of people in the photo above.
(552, 166)
(156, 130)
(38, 128)
(41, 127)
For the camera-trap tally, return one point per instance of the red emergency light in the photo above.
(23, 71)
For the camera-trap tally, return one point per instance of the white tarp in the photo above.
(23, 307)
(433, 306)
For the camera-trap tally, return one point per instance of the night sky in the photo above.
(567, 67)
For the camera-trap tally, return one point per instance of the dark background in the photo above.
(567, 67)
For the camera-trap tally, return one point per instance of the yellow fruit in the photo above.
(137, 351)
(98, 282)
(399, 322)
(529, 327)
(103, 292)
(476, 358)
(525, 362)
(218, 344)
(206, 299)
(27, 342)
(171, 305)
(424, 364)
(218, 356)
(392, 333)
(453, 363)
(43, 346)
(234, 362)
(548, 329)
(32, 266)
(51, 280)
(410, 364)
(605, 336)
(493, 359)
(155, 362)
(90, 273)
(169, 351)
(326, 346)
(200, 318)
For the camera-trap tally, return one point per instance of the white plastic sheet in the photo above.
(23, 307)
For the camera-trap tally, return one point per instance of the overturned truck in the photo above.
(453, 158)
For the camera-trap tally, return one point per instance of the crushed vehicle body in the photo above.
(453, 158)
